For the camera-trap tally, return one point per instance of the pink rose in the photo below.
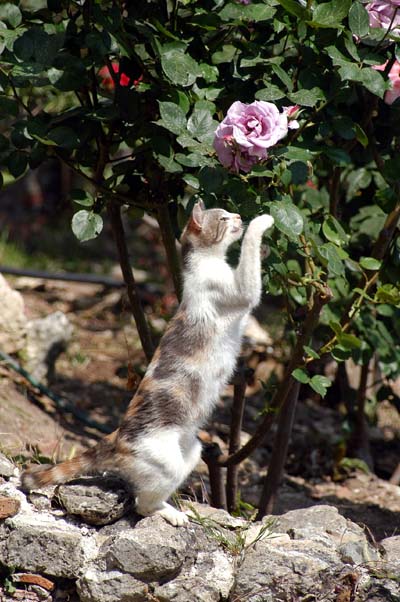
(248, 130)
(384, 14)
(394, 76)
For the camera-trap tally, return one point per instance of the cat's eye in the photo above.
(224, 219)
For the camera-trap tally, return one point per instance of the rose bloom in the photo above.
(394, 76)
(247, 131)
(384, 14)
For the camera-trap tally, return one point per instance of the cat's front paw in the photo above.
(261, 223)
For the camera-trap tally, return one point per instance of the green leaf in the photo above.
(81, 197)
(301, 376)
(358, 20)
(294, 8)
(311, 352)
(173, 118)
(320, 384)
(225, 55)
(288, 218)
(330, 254)
(370, 263)
(330, 14)
(270, 92)
(333, 231)
(179, 66)
(10, 13)
(251, 12)
(361, 135)
(373, 80)
(86, 225)
(307, 98)
(349, 341)
(340, 354)
(201, 125)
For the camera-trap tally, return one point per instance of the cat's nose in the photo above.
(237, 216)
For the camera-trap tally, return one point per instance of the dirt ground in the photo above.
(104, 363)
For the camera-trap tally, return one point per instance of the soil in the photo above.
(102, 367)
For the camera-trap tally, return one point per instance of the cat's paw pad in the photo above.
(173, 516)
(261, 223)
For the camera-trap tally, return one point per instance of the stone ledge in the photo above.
(312, 551)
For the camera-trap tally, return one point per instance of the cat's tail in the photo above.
(94, 460)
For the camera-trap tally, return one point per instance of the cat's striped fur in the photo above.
(156, 445)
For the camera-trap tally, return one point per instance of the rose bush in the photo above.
(217, 78)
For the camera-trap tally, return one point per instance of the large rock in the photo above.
(306, 554)
(7, 468)
(42, 544)
(96, 500)
(46, 338)
(12, 319)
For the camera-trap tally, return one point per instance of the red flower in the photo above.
(108, 82)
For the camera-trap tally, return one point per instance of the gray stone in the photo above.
(269, 573)
(111, 586)
(391, 547)
(46, 338)
(357, 552)
(316, 522)
(209, 579)
(152, 551)
(96, 500)
(7, 468)
(42, 544)
(12, 319)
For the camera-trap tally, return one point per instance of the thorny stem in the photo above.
(321, 296)
(237, 410)
(279, 454)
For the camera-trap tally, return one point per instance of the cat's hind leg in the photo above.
(160, 463)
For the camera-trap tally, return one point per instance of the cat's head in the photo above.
(211, 228)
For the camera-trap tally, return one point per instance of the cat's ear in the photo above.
(196, 219)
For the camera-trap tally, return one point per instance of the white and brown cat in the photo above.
(156, 446)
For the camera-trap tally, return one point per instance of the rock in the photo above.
(111, 586)
(303, 554)
(391, 547)
(39, 543)
(46, 338)
(209, 579)
(152, 551)
(96, 500)
(8, 506)
(294, 568)
(12, 319)
(7, 468)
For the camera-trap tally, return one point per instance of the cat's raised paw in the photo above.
(261, 223)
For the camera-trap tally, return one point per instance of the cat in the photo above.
(156, 446)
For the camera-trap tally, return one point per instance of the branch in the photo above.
(210, 454)
(114, 213)
(322, 296)
(279, 454)
(239, 390)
